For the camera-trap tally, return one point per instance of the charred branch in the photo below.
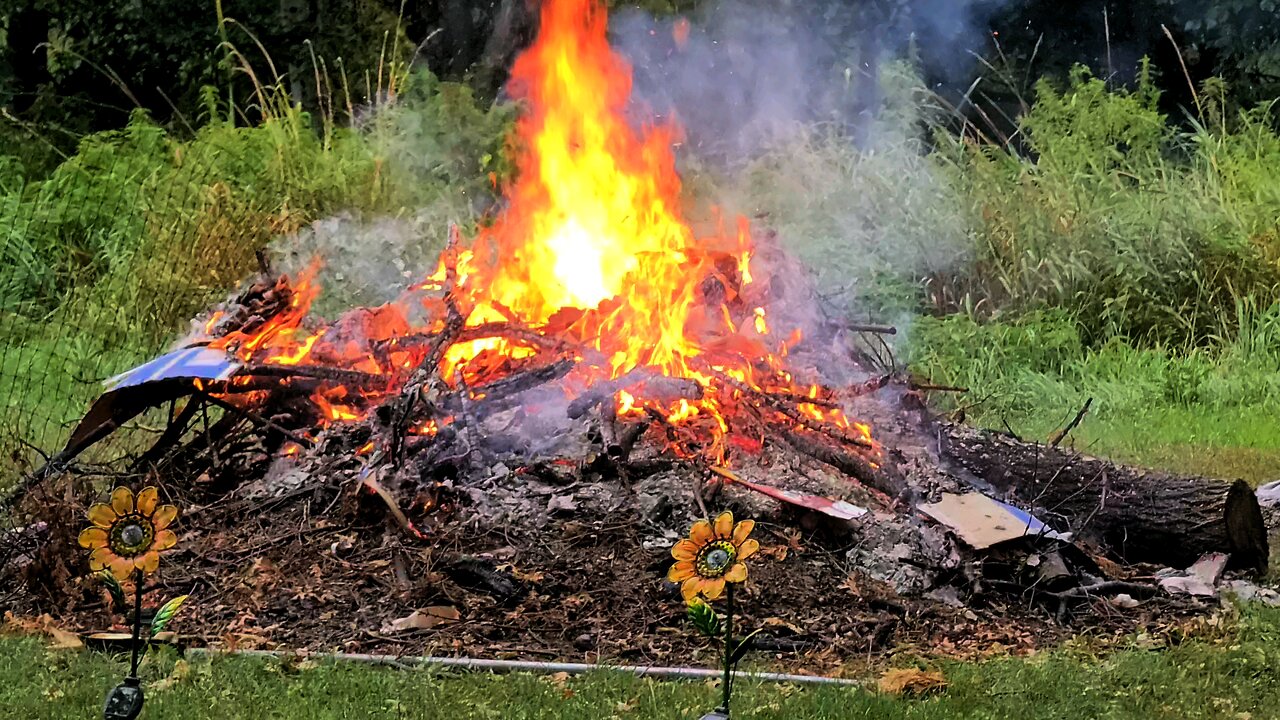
(851, 463)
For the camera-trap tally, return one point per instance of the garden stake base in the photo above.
(124, 702)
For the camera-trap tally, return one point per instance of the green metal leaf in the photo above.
(118, 601)
(166, 613)
(704, 618)
(741, 647)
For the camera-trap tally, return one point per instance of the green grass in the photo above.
(1230, 676)
(1209, 412)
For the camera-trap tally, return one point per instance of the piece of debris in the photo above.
(982, 522)
(1200, 579)
(911, 681)
(1245, 591)
(424, 619)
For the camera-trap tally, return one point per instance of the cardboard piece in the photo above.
(982, 522)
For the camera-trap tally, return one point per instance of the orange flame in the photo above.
(591, 250)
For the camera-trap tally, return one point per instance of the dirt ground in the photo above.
(325, 567)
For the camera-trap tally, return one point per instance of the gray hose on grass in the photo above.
(529, 666)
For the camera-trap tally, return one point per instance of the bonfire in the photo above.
(587, 355)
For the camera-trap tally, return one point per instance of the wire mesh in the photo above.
(102, 265)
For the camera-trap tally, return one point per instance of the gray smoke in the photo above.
(753, 71)
(814, 117)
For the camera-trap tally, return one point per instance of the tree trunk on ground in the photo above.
(1143, 515)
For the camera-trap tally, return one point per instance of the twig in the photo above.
(930, 387)
(1185, 73)
(877, 329)
(1058, 436)
(255, 417)
(422, 380)
(773, 403)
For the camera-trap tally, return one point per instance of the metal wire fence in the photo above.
(102, 264)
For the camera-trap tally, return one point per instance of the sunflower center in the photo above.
(131, 535)
(715, 559)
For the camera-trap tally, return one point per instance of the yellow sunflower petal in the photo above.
(122, 500)
(713, 588)
(165, 539)
(748, 548)
(701, 533)
(724, 525)
(99, 559)
(689, 588)
(122, 568)
(680, 571)
(147, 500)
(742, 530)
(684, 550)
(94, 537)
(736, 574)
(148, 562)
(164, 515)
(102, 515)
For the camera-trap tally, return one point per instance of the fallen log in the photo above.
(1142, 515)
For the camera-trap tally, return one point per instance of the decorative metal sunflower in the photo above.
(128, 536)
(711, 556)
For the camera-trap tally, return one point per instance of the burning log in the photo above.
(660, 389)
(1143, 515)
(340, 376)
(519, 382)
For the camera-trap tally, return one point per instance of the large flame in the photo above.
(593, 214)
(590, 249)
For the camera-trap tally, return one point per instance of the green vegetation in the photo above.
(1230, 676)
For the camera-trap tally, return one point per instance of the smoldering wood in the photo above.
(885, 479)
(626, 441)
(255, 417)
(317, 372)
(1142, 515)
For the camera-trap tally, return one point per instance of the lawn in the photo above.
(1224, 673)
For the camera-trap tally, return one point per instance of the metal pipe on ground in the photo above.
(529, 666)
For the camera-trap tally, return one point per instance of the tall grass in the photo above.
(1138, 229)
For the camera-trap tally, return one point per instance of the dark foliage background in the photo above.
(74, 66)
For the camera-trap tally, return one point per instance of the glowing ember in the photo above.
(590, 254)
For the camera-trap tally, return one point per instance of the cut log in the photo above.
(1142, 515)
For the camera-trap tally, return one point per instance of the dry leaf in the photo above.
(60, 639)
(780, 623)
(560, 680)
(851, 584)
(181, 671)
(911, 681)
(424, 619)
(777, 552)
(63, 639)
